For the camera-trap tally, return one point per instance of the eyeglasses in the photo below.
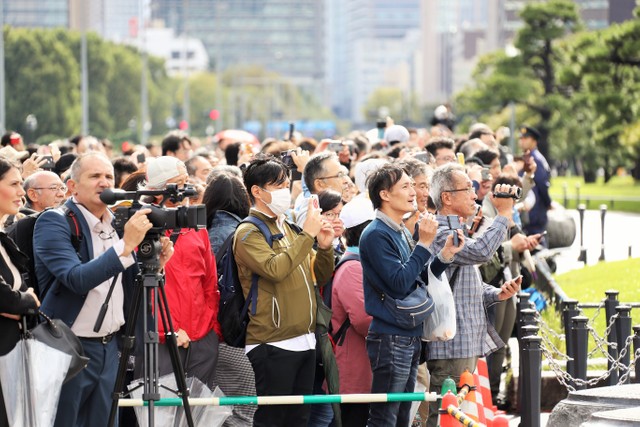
(331, 216)
(446, 159)
(469, 190)
(106, 236)
(62, 188)
(340, 175)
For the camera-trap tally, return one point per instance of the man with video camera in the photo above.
(455, 199)
(75, 283)
(191, 284)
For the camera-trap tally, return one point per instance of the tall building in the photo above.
(373, 44)
(36, 13)
(284, 36)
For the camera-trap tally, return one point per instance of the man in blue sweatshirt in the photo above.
(392, 264)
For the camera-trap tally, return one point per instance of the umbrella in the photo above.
(237, 135)
(173, 416)
(32, 375)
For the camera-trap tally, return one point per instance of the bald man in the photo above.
(44, 190)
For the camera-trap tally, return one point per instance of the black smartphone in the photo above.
(141, 158)
(287, 159)
(454, 225)
(49, 164)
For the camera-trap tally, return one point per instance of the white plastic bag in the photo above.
(441, 325)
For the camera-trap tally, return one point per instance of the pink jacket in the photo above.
(347, 299)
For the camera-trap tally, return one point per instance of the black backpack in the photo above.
(21, 232)
(233, 311)
(339, 335)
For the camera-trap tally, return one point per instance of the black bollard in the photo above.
(531, 360)
(581, 347)
(522, 304)
(583, 250)
(569, 311)
(603, 213)
(529, 328)
(636, 347)
(578, 193)
(610, 305)
(623, 330)
(564, 195)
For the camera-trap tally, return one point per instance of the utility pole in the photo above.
(145, 124)
(84, 83)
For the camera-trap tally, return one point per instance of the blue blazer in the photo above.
(69, 278)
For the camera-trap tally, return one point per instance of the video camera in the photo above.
(162, 218)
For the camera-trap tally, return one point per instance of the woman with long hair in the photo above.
(16, 299)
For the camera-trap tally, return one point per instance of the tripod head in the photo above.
(149, 252)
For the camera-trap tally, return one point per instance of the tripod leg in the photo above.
(127, 346)
(172, 345)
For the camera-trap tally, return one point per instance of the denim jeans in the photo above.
(394, 363)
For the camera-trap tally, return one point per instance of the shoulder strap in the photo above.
(453, 278)
(74, 226)
(345, 258)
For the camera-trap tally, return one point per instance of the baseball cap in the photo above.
(530, 131)
(364, 169)
(11, 154)
(396, 133)
(162, 169)
(356, 212)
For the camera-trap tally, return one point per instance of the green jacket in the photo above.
(286, 297)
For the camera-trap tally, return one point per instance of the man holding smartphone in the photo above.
(453, 194)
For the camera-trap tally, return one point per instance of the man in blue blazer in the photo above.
(77, 283)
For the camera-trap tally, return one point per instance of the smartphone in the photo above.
(49, 164)
(336, 145)
(423, 156)
(292, 129)
(287, 159)
(486, 175)
(381, 124)
(454, 224)
(460, 157)
(315, 203)
(141, 158)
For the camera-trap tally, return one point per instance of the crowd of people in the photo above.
(353, 221)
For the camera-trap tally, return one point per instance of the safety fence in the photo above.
(536, 339)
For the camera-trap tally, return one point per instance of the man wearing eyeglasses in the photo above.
(322, 172)
(441, 148)
(44, 190)
(453, 194)
(78, 279)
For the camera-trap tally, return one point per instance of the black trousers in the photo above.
(281, 372)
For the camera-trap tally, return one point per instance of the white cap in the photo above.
(162, 169)
(12, 154)
(364, 169)
(396, 133)
(357, 211)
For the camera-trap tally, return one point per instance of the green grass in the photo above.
(593, 195)
(588, 285)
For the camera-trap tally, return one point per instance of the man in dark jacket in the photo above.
(392, 265)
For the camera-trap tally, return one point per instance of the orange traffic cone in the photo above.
(469, 405)
(482, 415)
(446, 419)
(484, 385)
(500, 420)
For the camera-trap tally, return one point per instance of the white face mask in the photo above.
(280, 201)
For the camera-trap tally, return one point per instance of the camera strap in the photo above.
(174, 236)
(105, 305)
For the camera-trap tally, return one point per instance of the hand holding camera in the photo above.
(504, 197)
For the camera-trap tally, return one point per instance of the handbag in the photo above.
(410, 311)
(55, 333)
(441, 325)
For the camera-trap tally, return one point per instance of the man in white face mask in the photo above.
(280, 340)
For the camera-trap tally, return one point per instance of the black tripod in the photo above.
(155, 302)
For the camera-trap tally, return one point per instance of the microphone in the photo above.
(110, 196)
